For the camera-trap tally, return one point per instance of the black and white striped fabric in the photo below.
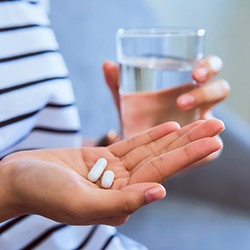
(37, 102)
(37, 110)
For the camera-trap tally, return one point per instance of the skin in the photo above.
(53, 182)
(210, 93)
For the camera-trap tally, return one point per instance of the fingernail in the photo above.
(154, 194)
(201, 74)
(186, 101)
(215, 63)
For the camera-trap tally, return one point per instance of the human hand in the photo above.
(203, 98)
(207, 95)
(53, 182)
(191, 102)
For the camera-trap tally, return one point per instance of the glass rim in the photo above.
(160, 32)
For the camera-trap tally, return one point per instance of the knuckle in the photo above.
(214, 91)
(157, 167)
(225, 86)
(152, 148)
(119, 221)
(221, 89)
(128, 208)
(215, 63)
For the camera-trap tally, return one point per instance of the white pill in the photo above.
(97, 170)
(107, 179)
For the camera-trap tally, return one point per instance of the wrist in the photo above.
(9, 207)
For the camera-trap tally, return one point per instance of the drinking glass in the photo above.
(155, 68)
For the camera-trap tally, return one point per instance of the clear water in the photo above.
(147, 74)
(148, 92)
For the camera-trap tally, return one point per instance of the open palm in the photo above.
(53, 182)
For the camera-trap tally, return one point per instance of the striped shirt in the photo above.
(34, 82)
(37, 110)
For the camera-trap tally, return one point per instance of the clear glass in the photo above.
(155, 68)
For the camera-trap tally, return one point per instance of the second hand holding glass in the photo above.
(155, 68)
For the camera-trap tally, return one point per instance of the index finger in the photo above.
(160, 168)
(121, 148)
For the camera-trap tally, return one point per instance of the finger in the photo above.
(209, 158)
(111, 75)
(127, 206)
(207, 68)
(135, 158)
(165, 165)
(209, 128)
(112, 220)
(105, 204)
(207, 115)
(206, 95)
(123, 147)
(194, 131)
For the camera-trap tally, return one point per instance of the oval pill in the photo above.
(97, 170)
(108, 179)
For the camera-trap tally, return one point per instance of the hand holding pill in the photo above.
(102, 185)
(98, 169)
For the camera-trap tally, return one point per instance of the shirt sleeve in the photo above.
(37, 102)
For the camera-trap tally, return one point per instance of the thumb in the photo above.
(113, 207)
(149, 192)
(130, 198)
(111, 75)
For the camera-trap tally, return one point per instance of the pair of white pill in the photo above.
(98, 169)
